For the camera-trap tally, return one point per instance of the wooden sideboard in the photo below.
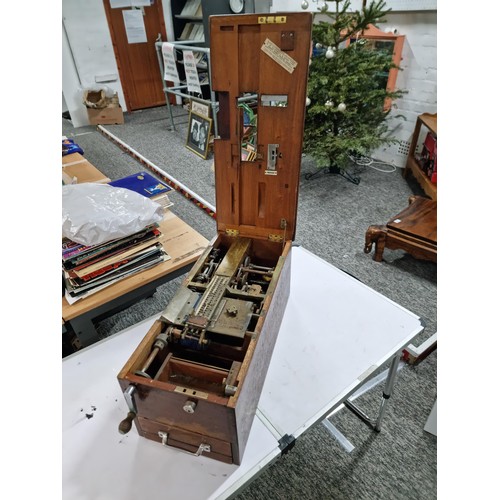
(430, 122)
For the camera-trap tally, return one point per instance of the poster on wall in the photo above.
(134, 26)
(192, 78)
(170, 74)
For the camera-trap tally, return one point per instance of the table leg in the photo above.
(389, 385)
(387, 392)
(375, 234)
(84, 329)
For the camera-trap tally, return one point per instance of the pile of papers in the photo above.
(88, 269)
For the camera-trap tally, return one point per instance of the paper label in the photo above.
(192, 78)
(277, 55)
(134, 26)
(171, 74)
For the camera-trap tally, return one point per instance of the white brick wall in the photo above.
(418, 78)
(419, 64)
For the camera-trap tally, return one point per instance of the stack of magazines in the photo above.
(88, 269)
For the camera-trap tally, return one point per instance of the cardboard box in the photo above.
(106, 116)
(95, 99)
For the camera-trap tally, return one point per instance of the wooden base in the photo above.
(195, 379)
(413, 230)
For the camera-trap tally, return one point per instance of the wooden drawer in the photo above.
(185, 440)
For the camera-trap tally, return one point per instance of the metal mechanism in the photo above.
(189, 406)
(209, 323)
(272, 158)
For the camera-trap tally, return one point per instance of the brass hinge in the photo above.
(275, 237)
(232, 232)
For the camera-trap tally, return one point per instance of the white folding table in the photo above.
(335, 334)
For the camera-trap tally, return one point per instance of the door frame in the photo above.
(123, 80)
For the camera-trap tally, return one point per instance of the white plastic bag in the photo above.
(96, 213)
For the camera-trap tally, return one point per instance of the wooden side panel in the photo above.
(248, 194)
(248, 71)
(255, 372)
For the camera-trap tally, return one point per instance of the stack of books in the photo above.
(88, 269)
(194, 32)
(192, 8)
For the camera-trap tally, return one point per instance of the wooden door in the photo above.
(137, 61)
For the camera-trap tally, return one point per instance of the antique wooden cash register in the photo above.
(195, 379)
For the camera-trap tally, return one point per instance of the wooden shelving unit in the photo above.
(430, 122)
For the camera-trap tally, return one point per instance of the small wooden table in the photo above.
(75, 165)
(349, 340)
(413, 230)
(184, 246)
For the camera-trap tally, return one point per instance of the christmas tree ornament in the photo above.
(328, 104)
(319, 46)
(305, 4)
(329, 53)
(308, 101)
(341, 107)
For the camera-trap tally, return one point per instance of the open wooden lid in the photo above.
(259, 72)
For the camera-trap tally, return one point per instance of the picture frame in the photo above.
(198, 136)
(200, 108)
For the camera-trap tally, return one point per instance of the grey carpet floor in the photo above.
(333, 215)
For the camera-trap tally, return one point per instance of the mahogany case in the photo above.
(195, 379)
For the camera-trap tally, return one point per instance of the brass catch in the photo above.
(275, 237)
(272, 19)
(232, 232)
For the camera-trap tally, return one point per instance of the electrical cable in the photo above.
(366, 161)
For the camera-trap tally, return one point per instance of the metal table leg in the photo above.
(386, 394)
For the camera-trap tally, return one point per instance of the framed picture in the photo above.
(199, 129)
(200, 108)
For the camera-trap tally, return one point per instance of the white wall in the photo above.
(87, 53)
(419, 65)
(418, 77)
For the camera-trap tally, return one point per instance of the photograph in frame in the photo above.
(198, 137)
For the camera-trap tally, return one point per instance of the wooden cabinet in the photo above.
(195, 379)
(413, 164)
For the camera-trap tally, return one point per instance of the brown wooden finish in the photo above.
(137, 62)
(185, 440)
(246, 196)
(181, 242)
(412, 166)
(255, 373)
(418, 220)
(75, 165)
(413, 230)
(205, 383)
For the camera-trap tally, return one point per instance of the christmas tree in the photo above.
(346, 116)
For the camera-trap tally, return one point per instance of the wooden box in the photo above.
(195, 379)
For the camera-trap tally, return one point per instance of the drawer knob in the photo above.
(189, 406)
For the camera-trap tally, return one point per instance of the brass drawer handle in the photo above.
(203, 446)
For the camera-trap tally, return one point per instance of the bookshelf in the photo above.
(187, 19)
